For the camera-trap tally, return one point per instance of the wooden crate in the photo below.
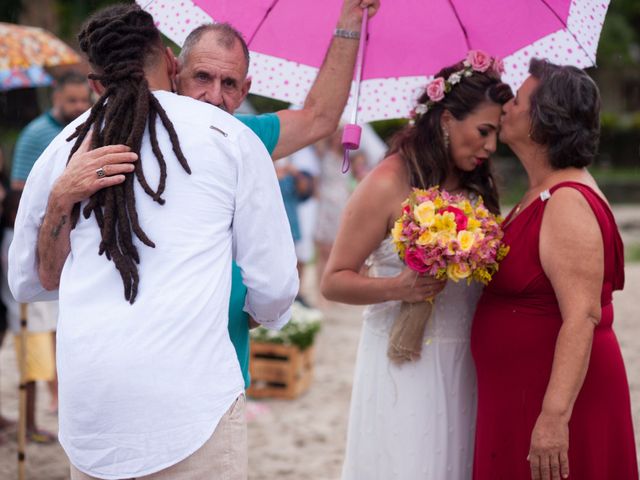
(279, 371)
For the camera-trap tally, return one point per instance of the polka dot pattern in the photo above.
(392, 97)
(174, 18)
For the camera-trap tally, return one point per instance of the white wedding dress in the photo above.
(415, 421)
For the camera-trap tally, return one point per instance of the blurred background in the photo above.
(316, 421)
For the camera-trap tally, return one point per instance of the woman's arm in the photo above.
(572, 256)
(372, 208)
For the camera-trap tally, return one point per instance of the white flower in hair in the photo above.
(437, 89)
(421, 109)
(455, 78)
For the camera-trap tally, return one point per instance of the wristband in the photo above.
(350, 34)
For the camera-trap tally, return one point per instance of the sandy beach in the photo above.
(301, 439)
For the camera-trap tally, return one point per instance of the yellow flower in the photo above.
(425, 213)
(466, 207)
(465, 238)
(458, 271)
(482, 212)
(445, 222)
(426, 238)
(482, 275)
(445, 240)
(502, 252)
(438, 202)
(473, 224)
(396, 231)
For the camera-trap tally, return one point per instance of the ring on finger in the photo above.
(101, 173)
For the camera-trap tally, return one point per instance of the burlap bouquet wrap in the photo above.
(442, 235)
(407, 332)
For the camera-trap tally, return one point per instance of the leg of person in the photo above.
(31, 406)
(223, 457)
(35, 434)
(38, 366)
(53, 384)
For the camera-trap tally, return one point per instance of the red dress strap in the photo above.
(612, 242)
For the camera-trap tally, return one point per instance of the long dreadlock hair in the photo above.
(118, 42)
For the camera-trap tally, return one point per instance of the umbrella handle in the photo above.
(350, 141)
(352, 131)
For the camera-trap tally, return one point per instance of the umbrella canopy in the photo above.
(33, 76)
(409, 40)
(24, 51)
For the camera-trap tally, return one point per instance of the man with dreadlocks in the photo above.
(137, 235)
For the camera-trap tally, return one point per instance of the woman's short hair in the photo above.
(565, 114)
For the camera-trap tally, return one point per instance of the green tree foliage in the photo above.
(72, 13)
(620, 39)
(10, 10)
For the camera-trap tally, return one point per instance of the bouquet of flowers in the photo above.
(445, 236)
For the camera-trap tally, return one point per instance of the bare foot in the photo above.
(41, 436)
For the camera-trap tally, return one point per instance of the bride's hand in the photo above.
(412, 287)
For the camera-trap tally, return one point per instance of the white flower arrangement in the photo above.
(301, 330)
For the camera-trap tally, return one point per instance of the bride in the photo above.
(416, 420)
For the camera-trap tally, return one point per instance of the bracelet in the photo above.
(350, 34)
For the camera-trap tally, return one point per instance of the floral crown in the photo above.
(476, 61)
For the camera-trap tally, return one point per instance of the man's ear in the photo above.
(172, 67)
(246, 86)
(96, 86)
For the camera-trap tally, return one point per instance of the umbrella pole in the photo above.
(22, 419)
(351, 133)
(360, 64)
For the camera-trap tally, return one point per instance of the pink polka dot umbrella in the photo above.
(408, 41)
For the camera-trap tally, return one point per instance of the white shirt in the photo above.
(143, 386)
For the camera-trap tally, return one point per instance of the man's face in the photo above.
(71, 101)
(214, 74)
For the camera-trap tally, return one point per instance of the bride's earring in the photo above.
(445, 134)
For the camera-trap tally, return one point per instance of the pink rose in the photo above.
(461, 218)
(435, 90)
(498, 66)
(479, 60)
(414, 261)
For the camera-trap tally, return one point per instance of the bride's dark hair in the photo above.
(422, 146)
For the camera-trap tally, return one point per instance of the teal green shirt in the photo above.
(33, 140)
(267, 128)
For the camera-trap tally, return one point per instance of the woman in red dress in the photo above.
(553, 397)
